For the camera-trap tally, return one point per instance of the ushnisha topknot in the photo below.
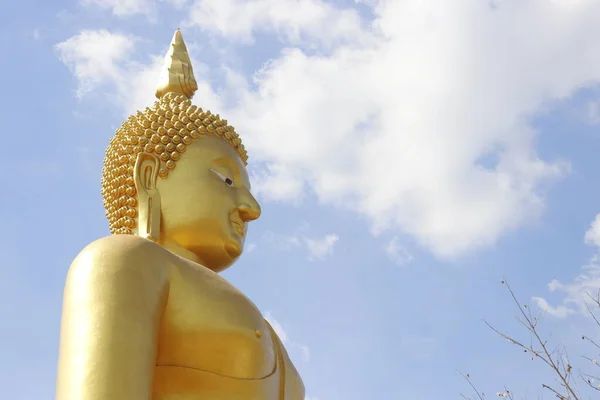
(164, 130)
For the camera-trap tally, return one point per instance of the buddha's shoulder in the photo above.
(121, 253)
(124, 247)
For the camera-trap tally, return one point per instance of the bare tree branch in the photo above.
(467, 378)
(555, 357)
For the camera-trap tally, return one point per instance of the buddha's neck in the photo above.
(180, 251)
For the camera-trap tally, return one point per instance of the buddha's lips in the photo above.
(237, 221)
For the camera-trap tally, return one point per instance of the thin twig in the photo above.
(467, 378)
(544, 354)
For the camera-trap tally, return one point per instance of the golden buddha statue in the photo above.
(145, 313)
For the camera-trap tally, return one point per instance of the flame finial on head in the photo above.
(177, 75)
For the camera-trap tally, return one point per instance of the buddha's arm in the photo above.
(113, 301)
(294, 387)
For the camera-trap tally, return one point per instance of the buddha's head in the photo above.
(176, 174)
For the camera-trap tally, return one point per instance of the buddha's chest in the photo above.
(210, 326)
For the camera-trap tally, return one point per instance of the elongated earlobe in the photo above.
(145, 176)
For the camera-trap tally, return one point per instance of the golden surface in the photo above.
(179, 75)
(145, 314)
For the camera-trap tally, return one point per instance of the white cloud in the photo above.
(123, 8)
(96, 58)
(103, 60)
(318, 248)
(291, 345)
(178, 3)
(276, 182)
(396, 132)
(587, 283)
(302, 21)
(321, 248)
(397, 253)
(592, 236)
(560, 311)
(418, 121)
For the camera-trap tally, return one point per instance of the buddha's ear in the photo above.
(145, 172)
(145, 176)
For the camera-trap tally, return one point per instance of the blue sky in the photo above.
(408, 156)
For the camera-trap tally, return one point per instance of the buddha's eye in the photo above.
(225, 179)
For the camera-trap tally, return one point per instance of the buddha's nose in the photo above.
(249, 209)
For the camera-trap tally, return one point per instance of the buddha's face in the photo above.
(206, 203)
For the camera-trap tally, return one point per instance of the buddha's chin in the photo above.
(233, 248)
